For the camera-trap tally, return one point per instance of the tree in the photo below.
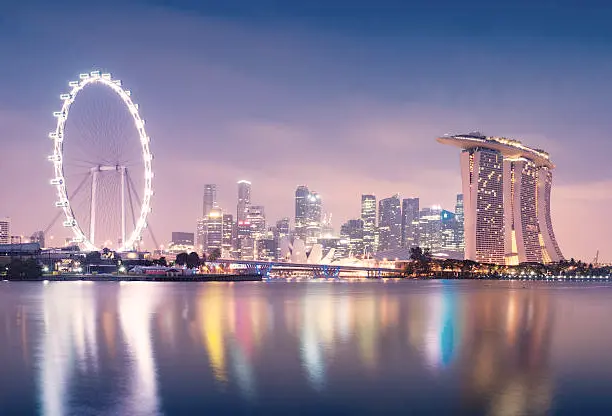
(422, 260)
(448, 264)
(161, 262)
(20, 269)
(181, 259)
(193, 260)
(93, 257)
(416, 253)
(214, 255)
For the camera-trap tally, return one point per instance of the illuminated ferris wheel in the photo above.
(102, 164)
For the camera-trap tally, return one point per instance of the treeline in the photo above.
(422, 264)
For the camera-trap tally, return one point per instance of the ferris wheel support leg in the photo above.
(92, 217)
(123, 168)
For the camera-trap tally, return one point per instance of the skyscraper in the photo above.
(182, 238)
(227, 241)
(210, 199)
(368, 216)
(243, 226)
(256, 217)
(352, 232)
(214, 230)
(410, 222)
(459, 236)
(313, 218)
(506, 197)
(430, 228)
(200, 234)
(244, 200)
(389, 223)
(5, 230)
(302, 194)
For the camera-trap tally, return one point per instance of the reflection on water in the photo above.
(169, 348)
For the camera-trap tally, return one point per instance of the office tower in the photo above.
(256, 218)
(247, 247)
(313, 218)
(182, 238)
(281, 233)
(244, 200)
(302, 194)
(210, 198)
(410, 222)
(506, 200)
(243, 226)
(327, 228)
(352, 232)
(267, 247)
(214, 230)
(368, 216)
(448, 231)
(227, 241)
(200, 234)
(459, 238)
(389, 223)
(430, 228)
(5, 230)
(38, 237)
(282, 227)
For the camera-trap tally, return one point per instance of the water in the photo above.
(413, 347)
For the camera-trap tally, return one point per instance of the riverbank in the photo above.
(145, 278)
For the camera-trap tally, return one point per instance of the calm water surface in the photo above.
(414, 347)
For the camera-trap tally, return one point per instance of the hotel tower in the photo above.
(506, 197)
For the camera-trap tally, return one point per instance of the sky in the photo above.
(346, 97)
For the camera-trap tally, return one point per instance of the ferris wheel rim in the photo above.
(59, 181)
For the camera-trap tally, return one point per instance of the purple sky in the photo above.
(303, 99)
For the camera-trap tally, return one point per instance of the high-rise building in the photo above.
(210, 198)
(327, 228)
(256, 218)
(5, 230)
(282, 227)
(243, 225)
(352, 232)
(214, 230)
(38, 237)
(389, 223)
(302, 194)
(227, 241)
(281, 232)
(506, 199)
(410, 222)
(430, 228)
(459, 236)
(244, 200)
(182, 238)
(200, 234)
(313, 218)
(448, 231)
(368, 216)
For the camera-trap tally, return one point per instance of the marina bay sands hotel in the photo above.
(506, 196)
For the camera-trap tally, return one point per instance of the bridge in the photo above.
(269, 268)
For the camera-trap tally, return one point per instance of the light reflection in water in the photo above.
(135, 348)
(137, 302)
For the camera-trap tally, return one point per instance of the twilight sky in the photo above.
(344, 96)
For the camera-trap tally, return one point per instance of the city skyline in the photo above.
(248, 95)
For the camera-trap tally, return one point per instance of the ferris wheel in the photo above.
(102, 164)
